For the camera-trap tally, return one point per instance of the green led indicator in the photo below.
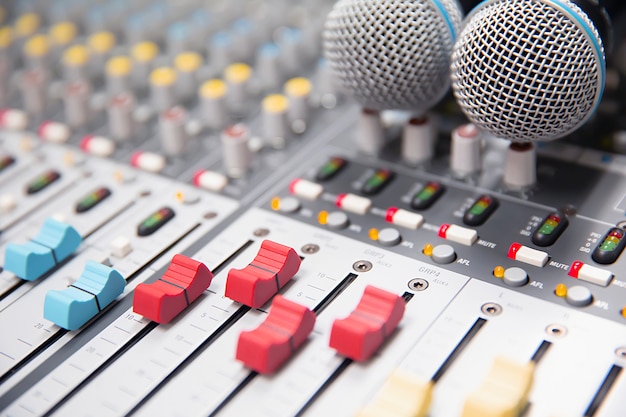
(92, 199)
(5, 162)
(330, 168)
(42, 182)
(479, 207)
(427, 192)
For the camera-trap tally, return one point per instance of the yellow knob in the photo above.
(213, 89)
(37, 46)
(237, 73)
(188, 62)
(101, 42)
(76, 55)
(119, 66)
(163, 76)
(145, 51)
(63, 33)
(26, 25)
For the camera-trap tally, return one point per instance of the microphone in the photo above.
(531, 70)
(392, 54)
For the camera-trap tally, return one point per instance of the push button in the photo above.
(183, 282)
(285, 329)
(590, 273)
(528, 255)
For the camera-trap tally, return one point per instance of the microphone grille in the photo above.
(392, 54)
(528, 70)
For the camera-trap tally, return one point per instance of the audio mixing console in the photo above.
(197, 218)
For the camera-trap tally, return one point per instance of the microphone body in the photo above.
(530, 70)
(392, 54)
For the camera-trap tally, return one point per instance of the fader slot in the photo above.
(103, 351)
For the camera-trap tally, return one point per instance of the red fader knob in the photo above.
(271, 269)
(360, 334)
(183, 282)
(285, 329)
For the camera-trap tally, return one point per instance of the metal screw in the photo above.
(310, 248)
(418, 284)
(620, 352)
(362, 266)
(145, 193)
(210, 215)
(491, 309)
(556, 330)
(261, 232)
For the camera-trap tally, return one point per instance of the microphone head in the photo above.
(528, 70)
(392, 54)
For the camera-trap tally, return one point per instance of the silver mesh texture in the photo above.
(392, 54)
(523, 70)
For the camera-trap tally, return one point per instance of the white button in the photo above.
(594, 275)
(458, 234)
(515, 277)
(443, 254)
(354, 203)
(405, 218)
(579, 296)
(7, 203)
(389, 237)
(120, 246)
(528, 255)
(148, 161)
(210, 180)
(306, 189)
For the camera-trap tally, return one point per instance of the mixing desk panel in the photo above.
(197, 219)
